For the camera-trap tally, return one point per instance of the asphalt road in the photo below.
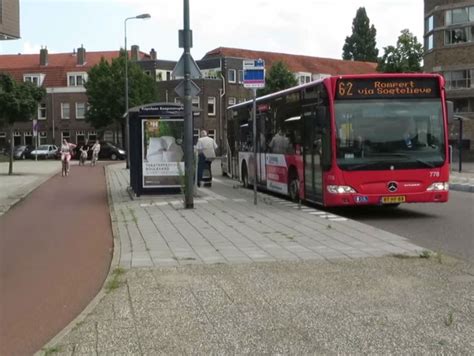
(55, 252)
(447, 227)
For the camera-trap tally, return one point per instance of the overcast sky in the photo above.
(307, 27)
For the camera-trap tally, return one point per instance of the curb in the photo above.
(460, 187)
(101, 294)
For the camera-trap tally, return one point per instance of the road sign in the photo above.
(195, 90)
(194, 70)
(254, 73)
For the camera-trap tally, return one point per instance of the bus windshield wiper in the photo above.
(404, 155)
(364, 165)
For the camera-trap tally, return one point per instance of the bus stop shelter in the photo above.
(156, 148)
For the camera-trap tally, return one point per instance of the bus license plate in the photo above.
(395, 199)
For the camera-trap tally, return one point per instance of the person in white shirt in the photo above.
(206, 147)
(95, 152)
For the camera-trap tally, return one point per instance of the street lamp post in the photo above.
(127, 135)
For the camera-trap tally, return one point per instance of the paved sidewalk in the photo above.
(27, 175)
(464, 180)
(231, 278)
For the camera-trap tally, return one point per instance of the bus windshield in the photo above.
(389, 134)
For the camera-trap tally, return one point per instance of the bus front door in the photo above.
(312, 150)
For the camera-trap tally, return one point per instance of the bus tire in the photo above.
(293, 185)
(245, 176)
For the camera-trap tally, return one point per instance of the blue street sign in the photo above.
(254, 73)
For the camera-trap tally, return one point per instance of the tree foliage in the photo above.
(361, 45)
(279, 77)
(106, 91)
(18, 102)
(405, 57)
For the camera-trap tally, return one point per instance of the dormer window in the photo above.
(76, 79)
(36, 78)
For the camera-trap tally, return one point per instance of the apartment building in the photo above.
(62, 112)
(449, 50)
(9, 19)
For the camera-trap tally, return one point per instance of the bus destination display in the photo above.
(384, 88)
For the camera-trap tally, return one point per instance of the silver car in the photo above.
(45, 152)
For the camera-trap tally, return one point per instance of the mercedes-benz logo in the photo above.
(392, 186)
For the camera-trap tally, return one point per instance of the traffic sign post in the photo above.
(254, 78)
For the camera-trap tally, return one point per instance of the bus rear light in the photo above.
(438, 186)
(340, 189)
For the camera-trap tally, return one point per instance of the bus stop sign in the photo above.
(254, 73)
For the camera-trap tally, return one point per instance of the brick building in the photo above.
(9, 19)
(62, 112)
(449, 50)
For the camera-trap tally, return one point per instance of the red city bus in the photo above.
(377, 139)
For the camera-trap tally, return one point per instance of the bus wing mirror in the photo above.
(450, 110)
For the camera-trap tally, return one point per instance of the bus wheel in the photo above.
(245, 176)
(294, 187)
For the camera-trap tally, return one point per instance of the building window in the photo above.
(232, 101)
(80, 137)
(76, 79)
(231, 76)
(459, 16)
(92, 136)
(429, 24)
(65, 111)
(429, 42)
(459, 79)
(42, 111)
(211, 106)
(42, 138)
(211, 134)
(65, 135)
(240, 76)
(36, 79)
(80, 110)
(459, 35)
(28, 138)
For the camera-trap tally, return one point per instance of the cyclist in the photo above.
(95, 152)
(65, 150)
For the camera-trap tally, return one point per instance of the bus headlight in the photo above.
(340, 189)
(438, 186)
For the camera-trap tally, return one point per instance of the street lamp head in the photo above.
(143, 16)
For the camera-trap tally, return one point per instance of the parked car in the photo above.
(45, 152)
(107, 151)
(23, 151)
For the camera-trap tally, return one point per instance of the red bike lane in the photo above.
(55, 253)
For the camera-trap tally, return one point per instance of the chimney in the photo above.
(153, 54)
(81, 56)
(43, 56)
(134, 53)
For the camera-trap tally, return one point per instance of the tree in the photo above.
(278, 78)
(18, 102)
(361, 45)
(405, 57)
(105, 89)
